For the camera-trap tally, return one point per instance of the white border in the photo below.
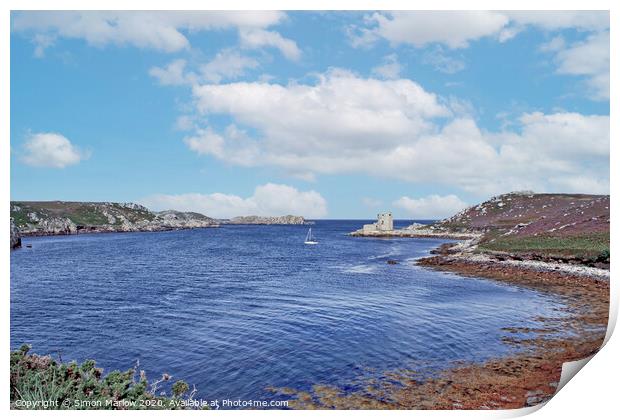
(592, 395)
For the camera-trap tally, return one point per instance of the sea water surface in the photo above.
(237, 309)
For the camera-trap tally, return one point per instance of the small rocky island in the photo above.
(263, 220)
(384, 228)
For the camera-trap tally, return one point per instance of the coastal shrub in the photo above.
(604, 256)
(590, 245)
(41, 382)
(180, 388)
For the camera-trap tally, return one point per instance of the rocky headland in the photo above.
(523, 226)
(42, 218)
(555, 243)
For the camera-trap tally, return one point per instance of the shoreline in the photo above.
(33, 234)
(97, 232)
(528, 377)
(410, 233)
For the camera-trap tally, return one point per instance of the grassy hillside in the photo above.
(70, 217)
(80, 213)
(547, 225)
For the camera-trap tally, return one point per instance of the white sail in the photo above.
(309, 239)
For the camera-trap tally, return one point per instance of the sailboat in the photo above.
(309, 239)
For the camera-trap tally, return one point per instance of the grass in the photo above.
(20, 217)
(591, 245)
(82, 214)
(86, 216)
(40, 382)
(133, 215)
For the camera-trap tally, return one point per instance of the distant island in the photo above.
(43, 218)
(261, 220)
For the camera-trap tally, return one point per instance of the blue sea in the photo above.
(237, 309)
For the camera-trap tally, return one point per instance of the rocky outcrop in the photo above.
(16, 241)
(523, 226)
(183, 220)
(262, 220)
(67, 218)
(417, 230)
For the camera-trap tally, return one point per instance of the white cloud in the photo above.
(431, 207)
(206, 142)
(390, 69)
(419, 28)
(51, 150)
(172, 74)
(42, 42)
(561, 19)
(396, 129)
(589, 58)
(185, 123)
(359, 112)
(234, 146)
(557, 43)
(227, 64)
(456, 29)
(267, 200)
(443, 62)
(257, 38)
(159, 30)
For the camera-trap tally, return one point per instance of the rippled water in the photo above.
(236, 309)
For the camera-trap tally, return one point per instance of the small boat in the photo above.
(309, 239)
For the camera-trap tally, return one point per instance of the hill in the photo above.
(70, 217)
(538, 226)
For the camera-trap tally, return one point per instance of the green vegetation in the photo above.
(80, 213)
(40, 382)
(133, 215)
(590, 246)
(87, 216)
(20, 217)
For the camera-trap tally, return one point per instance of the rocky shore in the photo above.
(528, 377)
(523, 226)
(417, 230)
(68, 218)
(557, 244)
(45, 218)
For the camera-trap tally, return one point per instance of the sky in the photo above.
(319, 114)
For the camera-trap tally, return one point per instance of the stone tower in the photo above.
(385, 221)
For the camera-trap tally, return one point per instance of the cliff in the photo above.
(16, 241)
(261, 220)
(66, 218)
